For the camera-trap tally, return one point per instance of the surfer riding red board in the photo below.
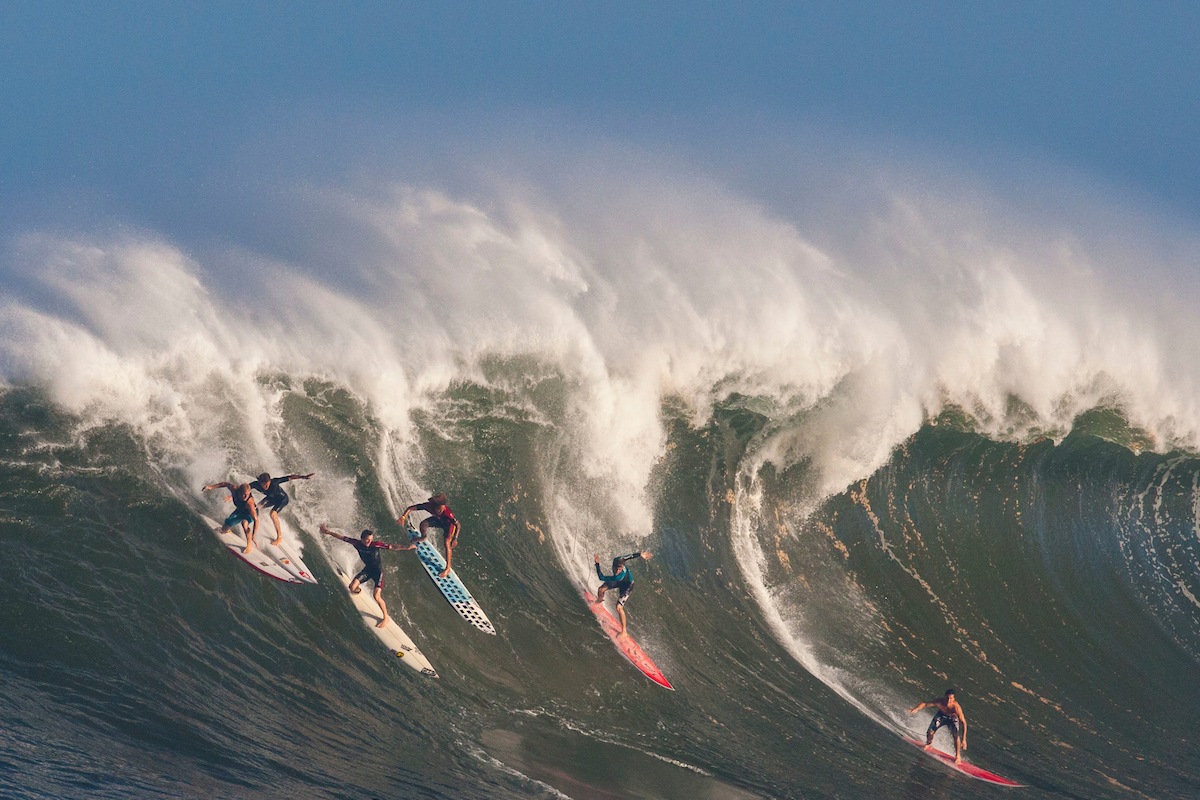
(950, 714)
(622, 581)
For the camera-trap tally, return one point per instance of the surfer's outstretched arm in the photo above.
(325, 530)
(221, 485)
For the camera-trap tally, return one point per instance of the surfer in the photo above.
(244, 511)
(274, 496)
(440, 517)
(368, 550)
(621, 580)
(949, 712)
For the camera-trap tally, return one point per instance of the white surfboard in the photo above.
(392, 635)
(286, 553)
(235, 542)
(451, 587)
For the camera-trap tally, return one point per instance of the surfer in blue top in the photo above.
(274, 496)
(440, 516)
(950, 713)
(245, 511)
(621, 580)
(368, 550)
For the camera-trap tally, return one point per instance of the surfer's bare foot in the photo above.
(248, 548)
(277, 542)
(958, 760)
(926, 747)
(356, 591)
(444, 572)
(382, 622)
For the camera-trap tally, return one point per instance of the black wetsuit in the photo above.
(273, 496)
(621, 579)
(372, 561)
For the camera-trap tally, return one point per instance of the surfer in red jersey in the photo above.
(368, 550)
(440, 517)
(244, 511)
(621, 580)
(949, 712)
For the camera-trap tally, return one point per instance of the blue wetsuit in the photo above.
(621, 579)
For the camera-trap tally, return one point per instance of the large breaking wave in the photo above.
(940, 454)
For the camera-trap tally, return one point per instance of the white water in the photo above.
(630, 293)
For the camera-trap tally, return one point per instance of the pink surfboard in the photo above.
(625, 644)
(965, 768)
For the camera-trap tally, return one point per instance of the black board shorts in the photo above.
(623, 588)
(371, 574)
(276, 503)
(940, 719)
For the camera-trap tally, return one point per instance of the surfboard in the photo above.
(965, 768)
(392, 635)
(625, 644)
(451, 587)
(286, 553)
(235, 542)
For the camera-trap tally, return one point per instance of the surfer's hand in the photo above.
(597, 557)
(309, 475)
(646, 554)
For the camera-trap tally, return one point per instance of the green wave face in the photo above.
(1053, 585)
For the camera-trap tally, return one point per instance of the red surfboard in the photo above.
(965, 768)
(625, 644)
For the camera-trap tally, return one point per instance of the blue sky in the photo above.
(142, 99)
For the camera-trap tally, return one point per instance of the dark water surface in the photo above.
(1054, 585)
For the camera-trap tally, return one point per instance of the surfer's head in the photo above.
(367, 536)
(950, 693)
(242, 492)
(264, 478)
(438, 499)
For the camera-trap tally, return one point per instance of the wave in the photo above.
(953, 457)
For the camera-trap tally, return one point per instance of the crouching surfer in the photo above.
(275, 497)
(244, 511)
(949, 712)
(621, 580)
(440, 516)
(368, 550)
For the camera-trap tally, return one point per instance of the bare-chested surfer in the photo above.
(440, 517)
(368, 550)
(274, 496)
(949, 712)
(244, 511)
(621, 580)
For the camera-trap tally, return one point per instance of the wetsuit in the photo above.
(273, 496)
(241, 513)
(621, 579)
(372, 561)
(443, 519)
(942, 718)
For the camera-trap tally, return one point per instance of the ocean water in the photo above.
(955, 460)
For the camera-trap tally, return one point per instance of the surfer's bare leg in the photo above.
(249, 537)
(449, 542)
(957, 750)
(382, 607)
(278, 531)
(354, 587)
(600, 594)
(928, 740)
(621, 612)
